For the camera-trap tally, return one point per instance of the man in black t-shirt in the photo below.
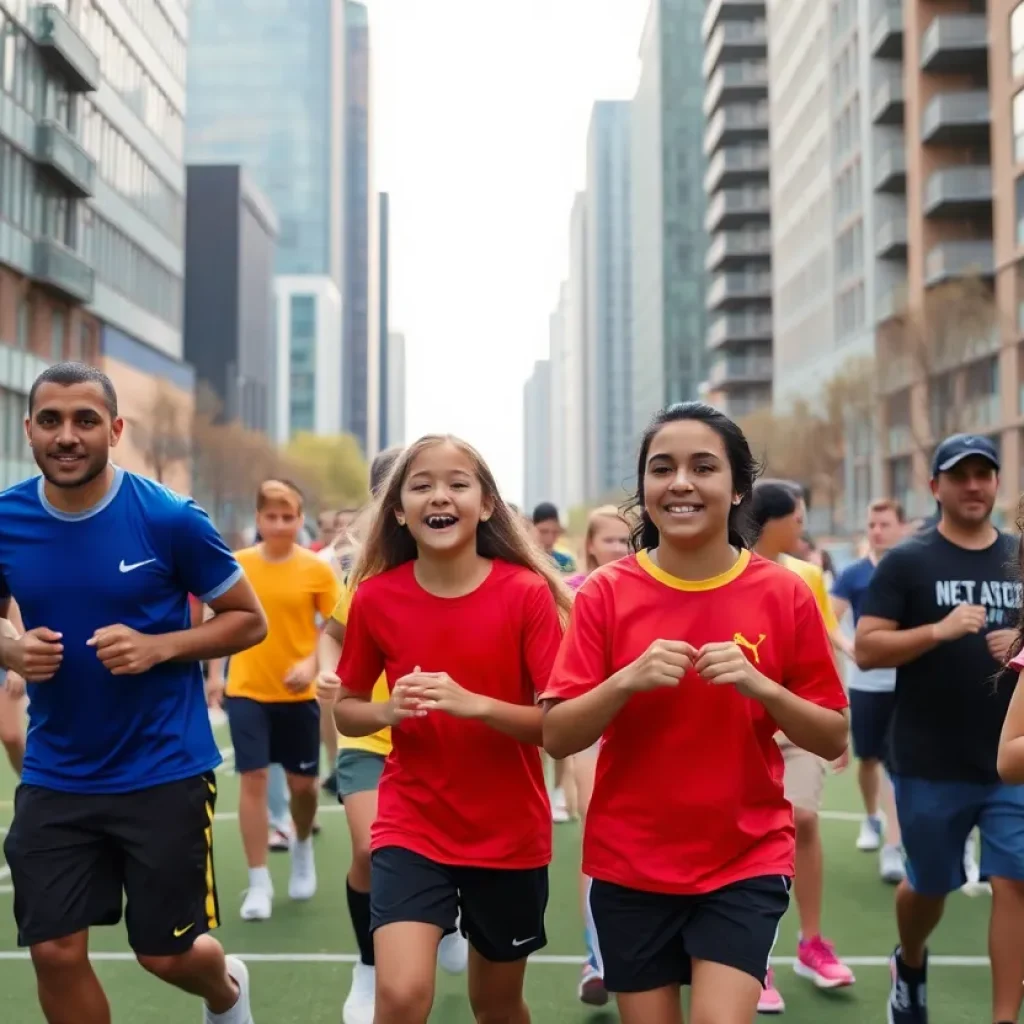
(941, 609)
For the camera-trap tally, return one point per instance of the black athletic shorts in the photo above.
(502, 911)
(75, 858)
(275, 732)
(647, 940)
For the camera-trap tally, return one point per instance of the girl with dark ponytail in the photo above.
(685, 659)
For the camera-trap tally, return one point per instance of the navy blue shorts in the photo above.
(266, 733)
(502, 911)
(936, 817)
(870, 714)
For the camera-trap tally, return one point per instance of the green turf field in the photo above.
(300, 960)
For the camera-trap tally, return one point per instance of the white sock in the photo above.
(232, 1016)
(259, 878)
(302, 845)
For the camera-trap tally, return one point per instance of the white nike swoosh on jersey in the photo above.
(135, 565)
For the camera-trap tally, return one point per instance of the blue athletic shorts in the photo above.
(936, 817)
(870, 714)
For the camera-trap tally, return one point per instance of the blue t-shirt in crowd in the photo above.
(133, 559)
(852, 585)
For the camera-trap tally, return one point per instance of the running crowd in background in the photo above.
(437, 644)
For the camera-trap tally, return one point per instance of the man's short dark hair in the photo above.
(66, 375)
(545, 512)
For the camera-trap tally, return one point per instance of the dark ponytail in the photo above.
(744, 467)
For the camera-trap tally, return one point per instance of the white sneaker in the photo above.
(241, 1012)
(559, 807)
(258, 904)
(974, 886)
(870, 837)
(890, 865)
(453, 953)
(359, 1005)
(302, 883)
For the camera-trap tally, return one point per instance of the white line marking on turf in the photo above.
(539, 958)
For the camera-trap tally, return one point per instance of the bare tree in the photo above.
(163, 436)
(929, 348)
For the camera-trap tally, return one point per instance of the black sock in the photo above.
(911, 975)
(359, 911)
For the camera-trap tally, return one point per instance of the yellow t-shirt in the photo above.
(815, 579)
(378, 742)
(292, 593)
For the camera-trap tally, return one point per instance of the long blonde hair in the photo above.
(388, 545)
(593, 522)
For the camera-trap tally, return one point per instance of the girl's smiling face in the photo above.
(442, 499)
(688, 486)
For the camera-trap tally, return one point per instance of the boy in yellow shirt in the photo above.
(271, 702)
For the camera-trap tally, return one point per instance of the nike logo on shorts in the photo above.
(178, 932)
(523, 942)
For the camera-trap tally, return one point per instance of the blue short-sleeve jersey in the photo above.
(133, 560)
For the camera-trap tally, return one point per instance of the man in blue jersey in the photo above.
(118, 791)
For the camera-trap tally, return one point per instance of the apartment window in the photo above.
(1018, 127)
(56, 335)
(23, 324)
(1019, 211)
(1017, 41)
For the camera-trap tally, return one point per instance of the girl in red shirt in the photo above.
(461, 611)
(686, 658)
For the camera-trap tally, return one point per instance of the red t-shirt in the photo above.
(455, 791)
(688, 796)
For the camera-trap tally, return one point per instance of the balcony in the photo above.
(733, 208)
(742, 123)
(957, 118)
(887, 32)
(730, 247)
(63, 270)
(959, 192)
(955, 43)
(58, 151)
(65, 50)
(731, 371)
(735, 41)
(949, 260)
(891, 302)
(739, 329)
(737, 165)
(729, 289)
(736, 83)
(891, 171)
(887, 103)
(891, 238)
(728, 10)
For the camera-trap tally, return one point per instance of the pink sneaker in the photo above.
(771, 1000)
(816, 960)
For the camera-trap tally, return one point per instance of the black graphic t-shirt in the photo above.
(949, 704)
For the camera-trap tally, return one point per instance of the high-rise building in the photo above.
(538, 439)
(92, 206)
(229, 292)
(739, 292)
(609, 354)
(266, 91)
(577, 399)
(360, 385)
(395, 427)
(561, 415)
(308, 370)
(669, 238)
(839, 240)
(962, 76)
(384, 332)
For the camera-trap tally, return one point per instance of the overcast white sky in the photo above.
(481, 113)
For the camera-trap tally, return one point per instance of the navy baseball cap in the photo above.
(962, 446)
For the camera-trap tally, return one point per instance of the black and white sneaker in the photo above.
(907, 999)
